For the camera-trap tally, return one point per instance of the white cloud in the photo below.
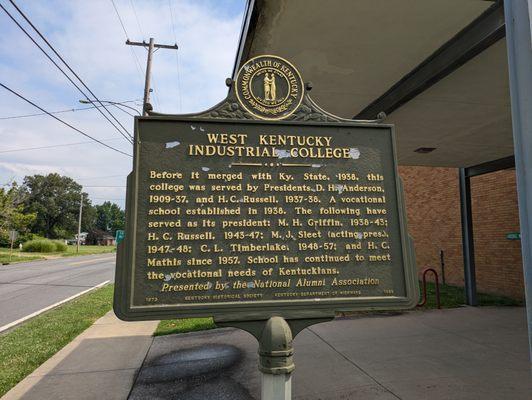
(89, 36)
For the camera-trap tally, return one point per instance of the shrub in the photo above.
(60, 245)
(26, 237)
(39, 246)
(4, 239)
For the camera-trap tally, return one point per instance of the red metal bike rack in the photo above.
(436, 280)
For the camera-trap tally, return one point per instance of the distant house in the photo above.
(82, 238)
(100, 238)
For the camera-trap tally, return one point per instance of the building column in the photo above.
(518, 17)
(468, 247)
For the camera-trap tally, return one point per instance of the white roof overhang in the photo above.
(438, 68)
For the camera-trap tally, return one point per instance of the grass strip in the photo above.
(28, 346)
(184, 325)
(86, 250)
(450, 296)
(19, 256)
(454, 296)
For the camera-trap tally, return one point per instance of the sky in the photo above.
(89, 36)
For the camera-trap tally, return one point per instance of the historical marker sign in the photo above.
(243, 219)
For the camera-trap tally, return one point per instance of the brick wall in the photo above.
(495, 214)
(433, 210)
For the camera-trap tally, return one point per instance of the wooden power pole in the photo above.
(79, 221)
(150, 46)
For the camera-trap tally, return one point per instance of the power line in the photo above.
(137, 18)
(135, 58)
(63, 122)
(63, 72)
(105, 198)
(53, 145)
(68, 67)
(58, 112)
(172, 19)
(119, 18)
(38, 114)
(101, 177)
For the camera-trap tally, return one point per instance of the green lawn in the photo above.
(86, 250)
(19, 256)
(183, 325)
(450, 296)
(26, 347)
(454, 296)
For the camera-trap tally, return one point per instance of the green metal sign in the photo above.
(119, 236)
(513, 236)
(297, 215)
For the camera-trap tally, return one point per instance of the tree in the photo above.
(12, 215)
(55, 201)
(109, 217)
(88, 217)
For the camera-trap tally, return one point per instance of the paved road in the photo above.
(28, 287)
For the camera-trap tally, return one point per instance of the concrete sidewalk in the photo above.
(458, 354)
(101, 363)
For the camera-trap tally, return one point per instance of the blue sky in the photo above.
(89, 36)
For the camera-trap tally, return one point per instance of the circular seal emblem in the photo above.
(269, 87)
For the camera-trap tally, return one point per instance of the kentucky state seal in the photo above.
(269, 87)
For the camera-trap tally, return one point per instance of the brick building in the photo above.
(433, 207)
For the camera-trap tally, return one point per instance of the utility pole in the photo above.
(79, 220)
(150, 46)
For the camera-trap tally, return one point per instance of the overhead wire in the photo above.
(119, 18)
(63, 122)
(58, 67)
(137, 18)
(128, 137)
(67, 66)
(106, 198)
(135, 58)
(52, 145)
(172, 20)
(59, 111)
(101, 177)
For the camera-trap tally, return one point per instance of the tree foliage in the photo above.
(55, 200)
(109, 217)
(12, 214)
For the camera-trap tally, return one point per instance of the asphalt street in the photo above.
(26, 288)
